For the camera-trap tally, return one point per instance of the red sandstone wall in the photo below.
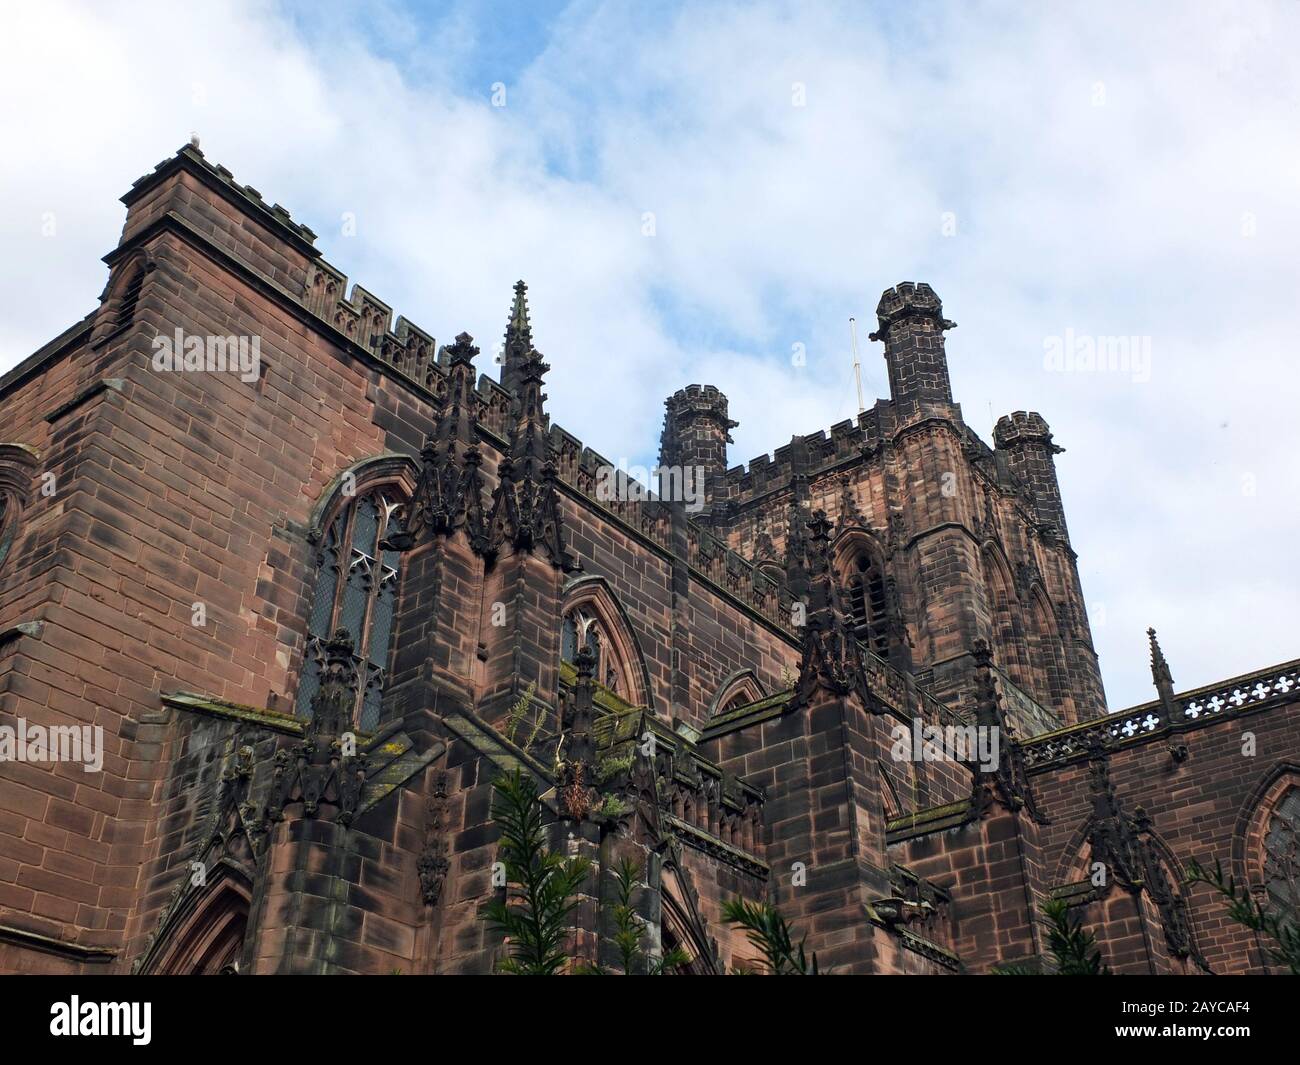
(181, 488)
(1202, 808)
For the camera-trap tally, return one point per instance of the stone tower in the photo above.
(299, 657)
(695, 437)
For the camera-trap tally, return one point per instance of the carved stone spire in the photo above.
(525, 505)
(1160, 674)
(1006, 781)
(1112, 838)
(519, 341)
(822, 600)
(577, 771)
(449, 493)
(849, 512)
(764, 549)
(831, 660)
(1127, 848)
(899, 640)
(334, 701)
(796, 550)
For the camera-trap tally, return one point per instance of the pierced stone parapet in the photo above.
(1254, 691)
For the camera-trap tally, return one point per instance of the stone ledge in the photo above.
(14, 633)
(696, 837)
(925, 822)
(49, 945)
(84, 396)
(253, 715)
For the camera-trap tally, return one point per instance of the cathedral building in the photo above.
(285, 585)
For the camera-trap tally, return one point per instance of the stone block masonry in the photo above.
(316, 607)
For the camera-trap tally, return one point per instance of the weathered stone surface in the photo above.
(734, 730)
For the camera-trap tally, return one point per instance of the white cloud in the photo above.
(1101, 168)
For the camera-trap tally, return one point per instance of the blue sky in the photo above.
(1051, 170)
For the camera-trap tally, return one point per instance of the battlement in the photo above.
(941, 602)
(368, 321)
(699, 399)
(909, 299)
(823, 449)
(299, 270)
(1022, 427)
(189, 157)
(696, 425)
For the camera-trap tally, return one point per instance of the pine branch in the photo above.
(767, 930)
(1073, 949)
(536, 921)
(1279, 925)
(629, 929)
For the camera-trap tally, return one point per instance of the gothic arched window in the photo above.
(130, 297)
(1047, 673)
(356, 590)
(589, 613)
(605, 671)
(867, 603)
(8, 523)
(1282, 853)
(18, 464)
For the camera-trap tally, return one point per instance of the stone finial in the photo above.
(831, 662)
(332, 705)
(1164, 680)
(519, 330)
(525, 506)
(449, 492)
(518, 347)
(576, 776)
(324, 770)
(1007, 781)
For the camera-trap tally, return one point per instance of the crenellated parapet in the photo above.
(701, 804)
(238, 223)
(737, 699)
(191, 160)
(366, 320)
(882, 474)
(846, 442)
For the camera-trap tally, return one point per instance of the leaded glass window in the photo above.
(1282, 853)
(605, 671)
(867, 604)
(356, 590)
